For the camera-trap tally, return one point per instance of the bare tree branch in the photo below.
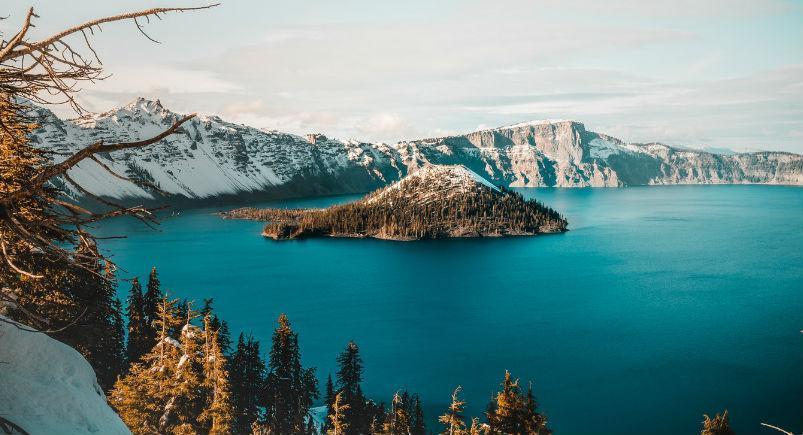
(39, 222)
(96, 23)
(777, 428)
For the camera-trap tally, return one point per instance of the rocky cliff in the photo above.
(213, 159)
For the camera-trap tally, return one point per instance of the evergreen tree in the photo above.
(143, 398)
(717, 426)
(139, 341)
(189, 391)
(349, 377)
(376, 416)
(247, 380)
(454, 420)
(338, 424)
(330, 400)
(221, 326)
(398, 420)
(419, 424)
(218, 414)
(118, 348)
(512, 413)
(111, 360)
(95, 330)
(477, 428)
(289, 388)
(178, 387)
(224, 336)
(536, 421)
(150, 303)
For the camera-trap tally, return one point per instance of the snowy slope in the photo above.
(211, 158)
(47, 387)
(434, 182)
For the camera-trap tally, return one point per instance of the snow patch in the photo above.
(534, 123)
(47, 387)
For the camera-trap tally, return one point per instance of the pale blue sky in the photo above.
(723, 73)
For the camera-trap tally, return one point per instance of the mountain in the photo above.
(211, 159)
(434, 201)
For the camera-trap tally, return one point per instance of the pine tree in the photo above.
(178, 387)
(338, 424)
(118, 347)
(511, 413)
(224, 336)
(718, 425)
(111, 361)
(189, 391)
(150, 304)
(419, 424)
(454, 420)
(477, 428)
(398, 420)
(289, 388)
(143, 397)
(247, 379)
(138, 341)
(536, 422)
(349, 377)
(95, 331)
(218, 414)
(221, 326)
(330, 400)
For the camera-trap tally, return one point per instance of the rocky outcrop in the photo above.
(211, 159)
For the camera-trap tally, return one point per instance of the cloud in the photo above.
(679, 8)
(718, 73)
(387, 127)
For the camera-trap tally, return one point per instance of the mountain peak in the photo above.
(452, 174)
(146, 105)
(431, 182)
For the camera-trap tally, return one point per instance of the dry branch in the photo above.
(38, 221)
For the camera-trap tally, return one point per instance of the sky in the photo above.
(705, 74)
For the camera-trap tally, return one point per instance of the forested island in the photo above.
(432, 202)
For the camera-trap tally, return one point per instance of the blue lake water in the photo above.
(660, 304)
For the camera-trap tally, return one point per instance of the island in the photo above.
(431, 202)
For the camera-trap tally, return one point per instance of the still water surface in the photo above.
(660, 304)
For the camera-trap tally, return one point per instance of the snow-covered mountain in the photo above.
(433, 182)
(213, 159)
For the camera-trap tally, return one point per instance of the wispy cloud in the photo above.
(718, 73)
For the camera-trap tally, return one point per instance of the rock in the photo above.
(211, 159)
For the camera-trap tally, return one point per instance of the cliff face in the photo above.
(212, 158)
(546, 153)
(565, 154)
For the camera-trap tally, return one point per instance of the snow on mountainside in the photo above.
(211, 158)
(47, 387)
(433, 182)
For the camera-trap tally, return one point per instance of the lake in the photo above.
(660, 304)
